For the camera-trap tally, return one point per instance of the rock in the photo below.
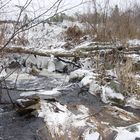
(79, 74)
(27, 107)
(133, 102)
(34, 71)
(1, 110)
(14, 64)
(23, 103)
(51, 65)
(131, 132)
(109, 95)
(115, 86)
(94, 88)
(91, 135)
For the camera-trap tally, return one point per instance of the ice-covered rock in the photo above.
(87, 80)
(133, 102)
(91, 135)
(79, 74)
(94, 88)
(1, 110)
(87, 63)
(3, 73)
(30, 60)
(42, 62)
(48, 94)
(128, 133)
(61, 121)
(51, 64)
(109, 95)
(134, 42)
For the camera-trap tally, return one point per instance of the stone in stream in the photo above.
(1, 110)
(27, 106)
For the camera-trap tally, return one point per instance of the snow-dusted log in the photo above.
(84, 51)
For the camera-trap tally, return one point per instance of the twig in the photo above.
(0, 91)
(9, 94)
(69, 62)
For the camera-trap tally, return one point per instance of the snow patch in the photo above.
(88, 135)
(133, 102)
(128, 133)
(94, 88)
(107, 93)
(134, 42)
(62, 119)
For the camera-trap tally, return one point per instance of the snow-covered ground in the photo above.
(76, 104)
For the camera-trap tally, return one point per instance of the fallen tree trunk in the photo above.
(78, 52)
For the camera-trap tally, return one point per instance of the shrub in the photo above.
(73, 33)
(125, 75)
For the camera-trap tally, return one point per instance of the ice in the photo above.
(128, 133)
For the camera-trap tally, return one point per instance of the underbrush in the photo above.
(106, 24)
(124, 70)
(127, 79)
(73, 33)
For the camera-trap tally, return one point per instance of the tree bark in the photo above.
(78, 52)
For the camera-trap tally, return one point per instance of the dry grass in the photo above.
(20, 41)
(73, 33)
(127, 79)
(3, 29)
(114, 25)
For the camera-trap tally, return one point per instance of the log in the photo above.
(78, 52)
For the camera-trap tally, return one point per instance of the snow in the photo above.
(3, 73)
(107, 93)
(135, 57)
(80, 73)
(64, 119)
(27, 94)
(112, 73)
(87, 80)
(51, 65)
(21, 101)
(133, 102)
(22, 76)
(125, 133)
(94, 87)
(84, 45)
(31, 60)
(58, 117)
(87, 63)
(61, 77)
(48, 94)
(92, 136)
(134, 42)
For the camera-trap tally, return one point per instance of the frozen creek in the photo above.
(66, 110)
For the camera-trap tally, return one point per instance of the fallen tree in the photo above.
(86, 51)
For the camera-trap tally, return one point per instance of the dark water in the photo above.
(15, 127)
